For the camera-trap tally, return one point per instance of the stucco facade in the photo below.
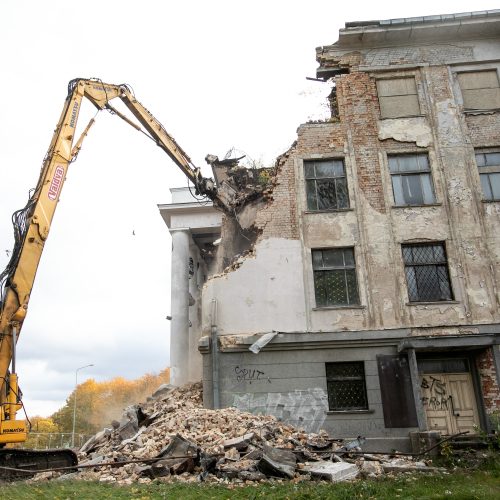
(410, 91)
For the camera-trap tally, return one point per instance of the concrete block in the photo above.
(163, 390)
(333, 471)
(277, 463)
(240, 442)
(421, 441)
(411, 468)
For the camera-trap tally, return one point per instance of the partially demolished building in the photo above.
(366, 264)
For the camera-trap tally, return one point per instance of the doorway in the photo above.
(448, 396)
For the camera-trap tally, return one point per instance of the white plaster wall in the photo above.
(195, 284)
(265, 293)
(196, 219)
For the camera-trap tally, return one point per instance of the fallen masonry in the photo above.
(171, 437)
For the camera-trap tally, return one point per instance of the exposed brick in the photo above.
(489, 385)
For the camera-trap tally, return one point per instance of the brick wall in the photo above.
(279, 218)
(484, 129)
(489, 384)
(358, 104)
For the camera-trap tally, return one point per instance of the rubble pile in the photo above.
(191, 443)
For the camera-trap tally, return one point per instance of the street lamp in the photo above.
(74, 404)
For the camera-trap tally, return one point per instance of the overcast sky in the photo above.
(217, 74)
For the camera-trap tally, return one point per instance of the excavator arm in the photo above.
(32, 223)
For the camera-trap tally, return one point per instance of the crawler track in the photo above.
(31, 460)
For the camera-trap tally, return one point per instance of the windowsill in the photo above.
(330, 308)
(401, 117)
(481, 111)
(347, 412)
(435, 303)
(490, 201)
(333, 210)
(418, 206)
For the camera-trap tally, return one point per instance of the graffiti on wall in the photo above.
(302, 408)
(435, 394)
(248, 374)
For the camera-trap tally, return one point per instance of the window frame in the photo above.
(351, 300)
(436, 264)
(335, 178)
(381, 97)
(413, 172)
(331, 382)
(485, 171)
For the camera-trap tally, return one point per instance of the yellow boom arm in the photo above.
(32, 224)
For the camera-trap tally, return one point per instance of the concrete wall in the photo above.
(292, 386)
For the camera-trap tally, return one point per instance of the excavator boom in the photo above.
(32, 223)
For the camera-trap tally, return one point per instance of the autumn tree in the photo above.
(98, 403)
(41, 429)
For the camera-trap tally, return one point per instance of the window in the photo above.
(488, 164)
(427, 272)
(480, 89)
(398, 97)
(411, 179)
(335, 281)
(346, 386)
(326, 185)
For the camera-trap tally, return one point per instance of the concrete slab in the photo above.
(332, 471)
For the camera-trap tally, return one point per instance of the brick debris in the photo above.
(190, 443)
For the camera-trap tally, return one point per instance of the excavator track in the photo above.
(31, 460)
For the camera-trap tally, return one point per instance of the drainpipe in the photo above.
(215, 357)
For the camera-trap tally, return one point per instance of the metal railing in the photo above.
(53, 440)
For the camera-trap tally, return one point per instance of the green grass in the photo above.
(480, 484)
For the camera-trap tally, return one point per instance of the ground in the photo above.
(483, 484)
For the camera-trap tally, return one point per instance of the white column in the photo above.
(179, 328)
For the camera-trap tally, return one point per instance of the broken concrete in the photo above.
(333, 472)
(415, 130)
(277, 462)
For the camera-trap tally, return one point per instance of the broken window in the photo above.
(427, 273)
(480, 89)
(411, 179)
(398, 97)
(335, 282)
(488, 164)
(346, 386)
(326, 185)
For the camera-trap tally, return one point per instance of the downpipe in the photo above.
(215, 356)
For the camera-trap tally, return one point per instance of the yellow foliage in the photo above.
(98, 403)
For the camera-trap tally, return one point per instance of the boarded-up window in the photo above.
(398, 97)
(397, 393)
(480, 89)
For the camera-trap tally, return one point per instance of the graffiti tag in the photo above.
(247, 374)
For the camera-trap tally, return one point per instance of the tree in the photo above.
(98, 403)
(42, 431)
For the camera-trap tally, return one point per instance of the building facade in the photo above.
(374, 263)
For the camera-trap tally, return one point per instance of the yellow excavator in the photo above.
(31, 229)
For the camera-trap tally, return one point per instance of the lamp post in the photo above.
(74, 404)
